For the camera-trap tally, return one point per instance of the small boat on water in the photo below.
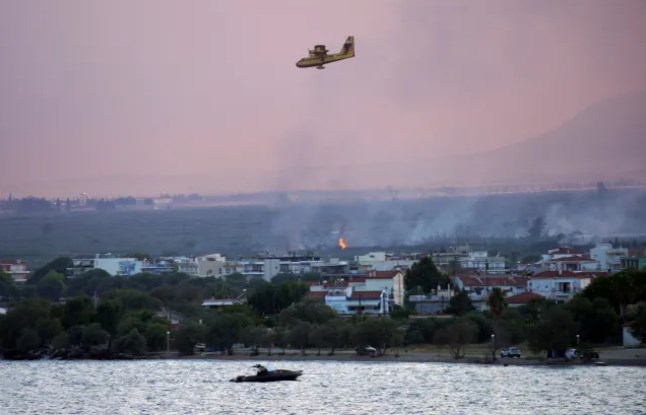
(264, 374)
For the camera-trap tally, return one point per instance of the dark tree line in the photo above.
(132, 315)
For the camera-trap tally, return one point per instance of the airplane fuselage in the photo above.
(321, 60)
(319, 56)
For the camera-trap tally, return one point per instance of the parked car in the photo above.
(366, 351)
(510, 352)
(588, 354)
(585, 354)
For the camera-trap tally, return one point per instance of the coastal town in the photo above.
(460, 284)
(558, 275)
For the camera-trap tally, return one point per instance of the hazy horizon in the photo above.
(203, 96)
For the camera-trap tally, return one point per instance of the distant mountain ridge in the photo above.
(606, 141)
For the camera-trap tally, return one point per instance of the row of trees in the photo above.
(122, 322)
(130, 314)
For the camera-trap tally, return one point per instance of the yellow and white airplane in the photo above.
(319, 57)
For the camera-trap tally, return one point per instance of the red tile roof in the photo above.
(521, 281)
(365, 295)
(559, 274)
(523, 298)
(383, 274)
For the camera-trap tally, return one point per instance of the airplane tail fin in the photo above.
(348, 46)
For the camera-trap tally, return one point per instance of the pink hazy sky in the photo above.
(148, 96)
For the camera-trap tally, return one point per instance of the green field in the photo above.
(172, 232)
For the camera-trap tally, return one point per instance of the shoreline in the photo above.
(412, 357)
(344, 355)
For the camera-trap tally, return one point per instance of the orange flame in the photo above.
(342, 244)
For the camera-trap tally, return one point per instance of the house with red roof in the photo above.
(478, 285)
(522, 299)
(16, 268)
(566, 258)
(559, 286)
(389, 282)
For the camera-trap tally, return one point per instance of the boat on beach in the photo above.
(264, 374)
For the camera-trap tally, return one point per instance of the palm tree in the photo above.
(497, 303)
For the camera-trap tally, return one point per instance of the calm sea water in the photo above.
(203, 387)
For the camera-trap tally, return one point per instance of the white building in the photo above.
(381, 261)
(267, 267)
(350, 301)
(118, 266)
(559, 286)
(362, 288)
(571, 263)
(370, 257)
(211, 265)
(607, 257)
(560, 252)
(264, 268)
(300, 264)
(481, 260)
(187, 266)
